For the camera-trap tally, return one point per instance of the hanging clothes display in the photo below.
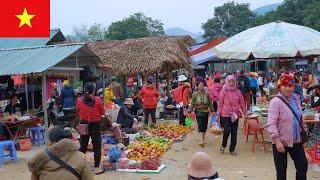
(49, 83)
(18, 80)
(59, 86)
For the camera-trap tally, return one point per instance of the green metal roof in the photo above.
(39, 59)
(55, 36)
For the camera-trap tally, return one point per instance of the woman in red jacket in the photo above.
(149, 96)
(90, 110)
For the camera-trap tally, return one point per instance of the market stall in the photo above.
(44, 60)
(276, 40)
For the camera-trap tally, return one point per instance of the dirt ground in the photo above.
(246, 166)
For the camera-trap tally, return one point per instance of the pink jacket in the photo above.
(279, 123)
(231, 101)
(214, 91)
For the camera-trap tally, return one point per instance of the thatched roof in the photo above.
(144, 55)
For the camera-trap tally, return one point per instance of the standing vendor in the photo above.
(14, 106)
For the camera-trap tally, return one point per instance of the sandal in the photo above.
(222, 149)
(233, 153)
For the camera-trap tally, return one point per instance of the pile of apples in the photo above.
(174, 132)
(144, 151)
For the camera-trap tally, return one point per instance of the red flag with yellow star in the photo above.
(25, 18)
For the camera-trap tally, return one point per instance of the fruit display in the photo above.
(152, 164)
(144, 151)
(174, 132)
(162, 142)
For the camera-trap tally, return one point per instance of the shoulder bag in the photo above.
(55, 158)
(304, 134)
(83, 129)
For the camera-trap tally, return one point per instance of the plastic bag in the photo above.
(216, 129)
(114, 155)
(188, 121)
(213, 119)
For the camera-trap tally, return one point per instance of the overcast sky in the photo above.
(187, 14)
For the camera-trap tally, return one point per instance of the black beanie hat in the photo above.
(57, 133)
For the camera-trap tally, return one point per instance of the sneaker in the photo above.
(222, 149)
(233, 153)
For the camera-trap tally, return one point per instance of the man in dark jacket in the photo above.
(125, 118)
(244, 85)
(67, 95)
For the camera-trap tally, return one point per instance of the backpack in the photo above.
(178, 93)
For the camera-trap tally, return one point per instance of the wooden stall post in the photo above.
(169, 72)
(32, 92)
(26, 93)
(44, 104)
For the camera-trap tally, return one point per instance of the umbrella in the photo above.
(276, 39)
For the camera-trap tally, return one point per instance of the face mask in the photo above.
(135, 84)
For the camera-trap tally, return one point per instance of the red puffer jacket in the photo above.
(149, 96)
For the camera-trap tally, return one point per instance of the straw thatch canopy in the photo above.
(144, 55)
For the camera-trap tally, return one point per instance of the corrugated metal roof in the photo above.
(36, 59)
(55, 36)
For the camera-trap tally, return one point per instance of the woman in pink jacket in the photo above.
(284, 126)
(214, 92)
(229, 105)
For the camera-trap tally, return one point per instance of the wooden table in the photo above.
(19, 125)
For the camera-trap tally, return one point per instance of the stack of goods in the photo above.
(140, 151)
(150, 164)
(162, 142)
(174, 132)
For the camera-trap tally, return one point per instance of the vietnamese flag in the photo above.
(25, 18)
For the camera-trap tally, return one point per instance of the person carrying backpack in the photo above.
(244, 85)
(181, 96)
(253, 87)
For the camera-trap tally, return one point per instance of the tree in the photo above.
(135, 26)
(97, 32)
(229, 19)
(311, 15)
(291, 11)
(84, 33)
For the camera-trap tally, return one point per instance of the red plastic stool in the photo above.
(245, 124)
(254, 128)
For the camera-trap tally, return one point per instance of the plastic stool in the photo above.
(37, 135)
(246, 122)
(12, 152)
(254, 128)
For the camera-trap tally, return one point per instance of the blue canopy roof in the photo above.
(55, 36)
(42, 58)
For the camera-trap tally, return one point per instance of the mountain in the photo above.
(176, 31)
(267, 8)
